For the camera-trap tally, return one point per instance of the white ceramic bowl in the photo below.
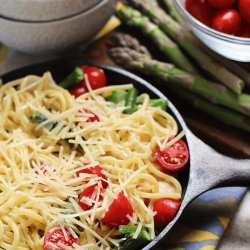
(232, 47)
(55, 36)
(43, 10)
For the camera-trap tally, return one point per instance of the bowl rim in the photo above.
(209, 31)
(61, 19)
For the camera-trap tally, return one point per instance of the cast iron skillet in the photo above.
(207, 168)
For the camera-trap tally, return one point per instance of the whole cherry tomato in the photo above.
(55, 237)
(165, 209)
(96, 170)
(174, 157)
(227, 21)
(96, 78)
(244, 7)
(201, 10)
(221, 3)
(244, 31)
(91, 193)
(118, 212)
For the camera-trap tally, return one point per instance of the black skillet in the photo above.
(207, 168)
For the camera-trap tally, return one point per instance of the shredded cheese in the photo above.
(39, 187)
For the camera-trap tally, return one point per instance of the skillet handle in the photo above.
(210, 169)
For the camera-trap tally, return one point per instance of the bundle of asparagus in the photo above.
(181, 36)
(165, 28)
(128, 52)
(151, 30)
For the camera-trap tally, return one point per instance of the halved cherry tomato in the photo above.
(201, 10)
(78, 90)
(92, 118)
(96, 170)
(55, 237)
(91, 193)
(244, 8)
(118, 212)
(174, 157)
(221, 3)
(166, 209)
(227, 21)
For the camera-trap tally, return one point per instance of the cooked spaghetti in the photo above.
(39, 162)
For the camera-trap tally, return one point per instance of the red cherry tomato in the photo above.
(227, 21)
(245, 31)
(221, 3)
(96, 170)
(96, 76)
(91, 193)
(166, 209)
(118, 212)
(244, 8)
(201, 10)
(92, 118)
(55, 237)
(174, 157)
(77, 90)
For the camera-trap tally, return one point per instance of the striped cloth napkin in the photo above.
(203, 223)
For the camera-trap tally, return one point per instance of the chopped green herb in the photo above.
(117, 96)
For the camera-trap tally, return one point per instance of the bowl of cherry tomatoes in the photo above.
(223, 25)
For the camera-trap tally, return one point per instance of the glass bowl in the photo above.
(232, 47)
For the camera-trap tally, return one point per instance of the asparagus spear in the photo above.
(172, 10)
(158, 103)
(222, 114)
(215, 93)
(119, 39)
(186, 40)
(117, 96)
(230, 65)
(130, 101)
(135, 19)
(76, 76)
(131, 243)
(125, 40)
